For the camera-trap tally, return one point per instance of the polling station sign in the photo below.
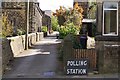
(77, 67)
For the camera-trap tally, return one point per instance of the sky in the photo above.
(54, 4)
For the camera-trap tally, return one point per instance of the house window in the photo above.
(110, 19)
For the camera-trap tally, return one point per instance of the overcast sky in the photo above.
(54, 4)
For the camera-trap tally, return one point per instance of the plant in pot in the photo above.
(44, 30)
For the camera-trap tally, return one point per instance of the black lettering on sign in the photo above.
(77, 67)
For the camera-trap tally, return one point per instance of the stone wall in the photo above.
(16, 44)
(46, 21)
(0, 57)
(35, 17)
(108, 56)
(39, 36)
(13, 46)
(18, 13)
(7, 53)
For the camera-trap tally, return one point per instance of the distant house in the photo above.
(46, 20)
(108, 35)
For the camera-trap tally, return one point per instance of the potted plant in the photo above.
(44, 30)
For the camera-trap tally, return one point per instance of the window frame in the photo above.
(103, 33)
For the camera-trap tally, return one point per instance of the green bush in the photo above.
(20, 32)
(44, 28)
(76, 44)
(67, 29)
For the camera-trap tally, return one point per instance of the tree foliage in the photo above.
(6, 27)
(70, 15)
(70, 20)
(54, 23)
(92, 10)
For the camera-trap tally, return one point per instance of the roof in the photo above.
(89, 20)
(48, 13)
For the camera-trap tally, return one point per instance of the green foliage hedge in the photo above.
(67, 29)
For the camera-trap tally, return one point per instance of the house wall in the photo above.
(100, 18)
(17, 15)
(38, 18)
(119, 20)
(46, 21)
(35, 17)
(107, 47)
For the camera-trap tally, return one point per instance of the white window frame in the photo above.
(103, 20)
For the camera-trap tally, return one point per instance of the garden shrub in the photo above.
(44, 28)
(67, 29)
(20, 32)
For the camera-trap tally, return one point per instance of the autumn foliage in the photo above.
(70, 20)
(74, 15)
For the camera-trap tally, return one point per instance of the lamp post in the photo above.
(27, 25)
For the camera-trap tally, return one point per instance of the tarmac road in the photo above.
(40, 61)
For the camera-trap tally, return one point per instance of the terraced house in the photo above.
(108, 35)
(18, 11)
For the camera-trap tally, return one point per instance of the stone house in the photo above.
(35, 17)
(16, 12)
(46, 20)
(108, 36)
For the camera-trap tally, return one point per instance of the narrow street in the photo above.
(38, 62)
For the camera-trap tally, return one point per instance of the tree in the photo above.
(54, 23)
(92, 10)
(70, 15)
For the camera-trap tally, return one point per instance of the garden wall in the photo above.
(7, 53)
(69, 53)
(108, 56)
(13, 46)
(0, 57)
